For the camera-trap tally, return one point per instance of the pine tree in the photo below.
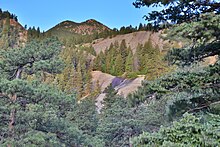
(6, 27)
(113, 53)
(85, 116)
(179, 12)
(140, 28)
(88, 89)
(5, 39)
(123, 50)
(96, 63)
(38, 32)
(116, 126)
(192, 129)
(79, 82)
(99, 63)
(140, 57)
(34, 113)
(129, 63)
(119, 66)
(108, 63)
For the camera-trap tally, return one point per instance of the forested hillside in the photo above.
(12, 34)
(64, 87)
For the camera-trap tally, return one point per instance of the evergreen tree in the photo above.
(129, 63)
(119, 66)
(108, 63)
(123, 50)
(179, 11)
(85, 116)
(149, 27)
(118, 123)
(79, 82)
(97, 63)
(112, 119)
(6, 26)
(96, 89)
(112, 52)
(38, 32)
(5, 34)
(202, 40)
(189, 131)
(34, 113)
(140, 57)
(25, 27)
(140, 28)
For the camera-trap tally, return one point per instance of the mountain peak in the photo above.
(89, 26)
(94, 22)
(67, 22)
(91, 21)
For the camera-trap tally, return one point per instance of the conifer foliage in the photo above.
(33, 113)
(193, 88)
(178, 11)
(47, 97)
(202, 37)
(189, 131)
(120, 60)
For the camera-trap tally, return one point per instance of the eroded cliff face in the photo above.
(22, 32)
(123, 86)
(14, 36)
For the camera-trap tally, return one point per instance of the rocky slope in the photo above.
(15, 36)
(132, 40)
(122, 85)
(22, 32)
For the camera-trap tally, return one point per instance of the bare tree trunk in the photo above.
(12, 122)
(18, 73)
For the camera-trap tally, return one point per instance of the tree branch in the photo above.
(202, 107)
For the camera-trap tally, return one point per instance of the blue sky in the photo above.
(47, 13)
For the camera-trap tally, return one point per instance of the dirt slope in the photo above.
(129, 86)
(132, 40)
(22, 33)
(99, 101)
(18, 33)
(103, 78)
(211, 60)
(123, 86)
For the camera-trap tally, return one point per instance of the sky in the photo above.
(47, 13)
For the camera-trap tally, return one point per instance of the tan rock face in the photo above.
(211, 60)
(103, 78)
(130, 87)
(124, 86)
(21, 36)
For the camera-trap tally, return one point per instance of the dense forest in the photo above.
(120, 60)
(48, 96)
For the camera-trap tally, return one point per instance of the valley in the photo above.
(86, 84)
